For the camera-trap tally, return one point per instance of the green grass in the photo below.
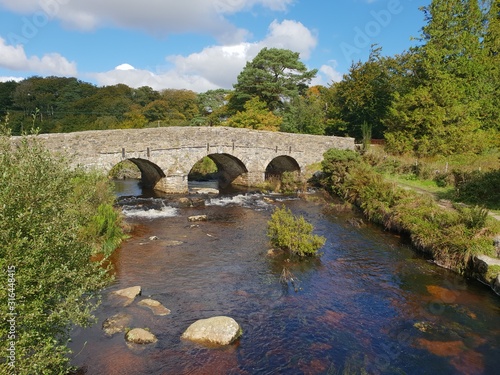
(429, 186)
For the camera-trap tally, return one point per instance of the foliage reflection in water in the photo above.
(368, 305)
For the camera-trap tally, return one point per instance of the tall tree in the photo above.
(444, 113)
(306, 113)
(275, 76)
(363, 96)
(492, 50)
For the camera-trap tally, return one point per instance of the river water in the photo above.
(368, 305)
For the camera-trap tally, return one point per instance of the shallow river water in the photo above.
(368, 305)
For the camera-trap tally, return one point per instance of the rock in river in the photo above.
(116, 323)
(140, 336)
(127, 295)
(197, 218)
(217, 331)
(156, 307)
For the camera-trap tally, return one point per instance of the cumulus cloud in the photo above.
(291, 35)
(158, 81)
(160, 17)
(330, 73)
(214, 66)
(14, 58)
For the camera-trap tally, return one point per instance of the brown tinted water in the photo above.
(370, 303)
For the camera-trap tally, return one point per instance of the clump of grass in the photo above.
(293, 233)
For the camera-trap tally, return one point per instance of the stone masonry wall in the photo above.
(176, 149)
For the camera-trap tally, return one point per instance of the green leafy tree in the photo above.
(255, 116)
(306, 113)
(212, 107)
(274, 76)
(182, 105)
(363, 95)
(492, 50)
(53, 221)
(6, 96)
(445, 112)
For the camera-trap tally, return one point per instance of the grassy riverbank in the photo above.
(467, 178)
(450, 235)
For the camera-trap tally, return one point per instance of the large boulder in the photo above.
(216, 331)
(140, 336)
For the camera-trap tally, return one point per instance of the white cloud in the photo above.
(160, 17)
(14, 58)
(7, 79)
(158, 81)
(214, 66)
(329, 73)
(291, 35)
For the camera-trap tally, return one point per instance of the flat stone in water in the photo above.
(156, 307)
(127, 295)
(140, 336)
(217, 331)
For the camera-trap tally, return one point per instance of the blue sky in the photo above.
(194, 44)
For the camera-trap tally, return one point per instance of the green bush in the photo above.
(51, 227)
(481, 188)
(291, 183)
(293, 233)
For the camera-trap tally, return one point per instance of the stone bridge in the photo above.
(166, 155)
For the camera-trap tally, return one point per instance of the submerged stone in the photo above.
(116, 323)
(173, 243)
(156, 307)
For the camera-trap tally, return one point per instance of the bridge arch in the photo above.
(230, 169)
(150, 172)
(280, 164)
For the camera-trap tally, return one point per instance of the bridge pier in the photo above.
(252, 178)
(176, 184)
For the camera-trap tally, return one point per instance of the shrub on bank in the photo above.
(450, 236)
(293, 233)
(53, 223)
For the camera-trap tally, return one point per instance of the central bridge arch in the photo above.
(230, 169)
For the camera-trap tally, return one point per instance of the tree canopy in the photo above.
(275, 76)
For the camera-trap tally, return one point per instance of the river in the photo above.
(368, 305)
